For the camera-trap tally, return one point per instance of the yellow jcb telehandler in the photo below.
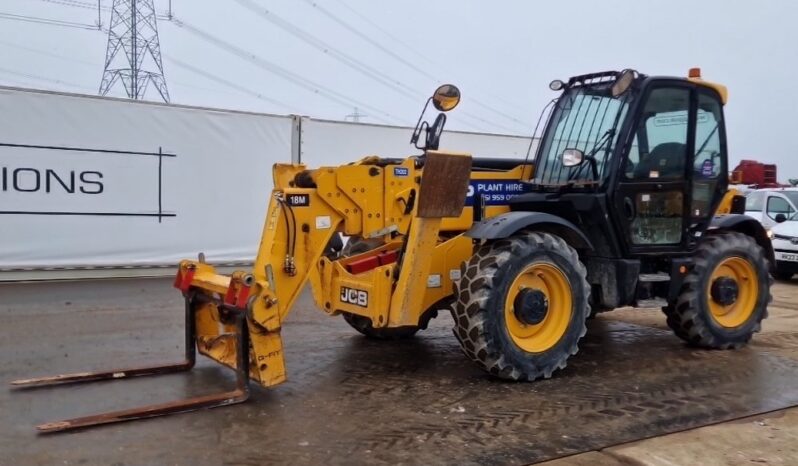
(627, 205)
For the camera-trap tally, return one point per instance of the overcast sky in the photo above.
(502, 54)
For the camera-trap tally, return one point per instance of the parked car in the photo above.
(771, 205)
(785, 246)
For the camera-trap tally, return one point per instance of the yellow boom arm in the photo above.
(307, 208)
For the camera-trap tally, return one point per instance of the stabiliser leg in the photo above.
(238, 395)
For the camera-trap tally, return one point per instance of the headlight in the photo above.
(770, 234)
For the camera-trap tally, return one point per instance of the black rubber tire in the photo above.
(782, 275)
(479, 309)
(364, 326)
(690, 318)
(333, 249)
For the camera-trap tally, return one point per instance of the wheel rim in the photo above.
(743, 273)
(551, 281)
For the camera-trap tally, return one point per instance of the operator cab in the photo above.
(649, 152)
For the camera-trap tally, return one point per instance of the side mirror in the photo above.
(780, 218)
(446, 97)
(572, 157)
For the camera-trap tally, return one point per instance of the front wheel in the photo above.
(364, 326)
(521, 306)
(724, 297)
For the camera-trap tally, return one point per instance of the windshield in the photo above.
(587, 118)
(793, 197)
(755, 201)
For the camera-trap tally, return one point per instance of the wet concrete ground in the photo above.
(351, 400)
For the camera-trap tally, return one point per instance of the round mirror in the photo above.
(556, 85)
(623, 82)
(572, 157)
(446, 97)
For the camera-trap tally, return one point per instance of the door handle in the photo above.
(628, 208)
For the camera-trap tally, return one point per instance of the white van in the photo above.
(785, 247)
(771, 205)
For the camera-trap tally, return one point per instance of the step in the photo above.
(651, 303)
(655, 277)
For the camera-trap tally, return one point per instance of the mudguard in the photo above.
(504, 225)
(746, 225)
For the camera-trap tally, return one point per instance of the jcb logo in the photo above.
(353, 296)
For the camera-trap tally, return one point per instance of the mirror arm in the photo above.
(417, 130)
(423, 126)
(593, 166)
(434, 132)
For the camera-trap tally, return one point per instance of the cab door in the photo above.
(651, 198)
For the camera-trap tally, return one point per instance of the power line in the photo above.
(90, 64)
(42, 78)
(98, 7)
(350, 61)
(49, 54)
(368, 39)
(380, 29)
(283, 73)
(47, 21)
(369, 71)
(330, 50)
(77, 4)
(397, 57)
(227, 83)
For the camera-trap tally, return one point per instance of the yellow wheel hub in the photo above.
(743, 274)
(549, 280)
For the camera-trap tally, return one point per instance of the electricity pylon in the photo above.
(133, 54)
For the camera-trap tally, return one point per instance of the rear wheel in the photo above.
(724, 297)
(782, 275)
(521, 306)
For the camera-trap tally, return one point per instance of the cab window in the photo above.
(754, 202)
(659, 149)
(706, 163)
(708, 157)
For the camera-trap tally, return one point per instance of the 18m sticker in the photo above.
(353, 296)
(298, 200)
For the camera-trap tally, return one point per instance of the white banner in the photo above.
(104, 182)
(97, 182)
(331, 142)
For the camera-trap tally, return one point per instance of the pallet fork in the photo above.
(238, 395)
